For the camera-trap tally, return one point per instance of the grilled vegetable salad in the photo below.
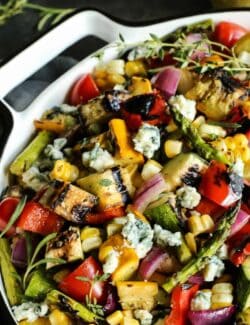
(131, 204)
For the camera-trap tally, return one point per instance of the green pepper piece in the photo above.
(31, 153)
(70, 305)
(39, 285)
(9, 274)
(208, 250)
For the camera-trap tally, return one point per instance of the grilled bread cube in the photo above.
(72, 203)
(67, 245)
(137, 294)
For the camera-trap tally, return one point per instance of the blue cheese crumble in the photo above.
(139, 234)
(98, 159)
(144, 316)
(30, 311)
(147, 140)
(111, 262)
(201, 300)
(54, 151)
(188, 197)
(186, 107)
(214, 269)
(165, 237)
(34, 179)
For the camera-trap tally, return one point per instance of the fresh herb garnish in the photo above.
(33, 264)
(105, 182)
(15, 216)
(226, 125)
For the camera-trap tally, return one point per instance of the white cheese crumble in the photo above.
(115, 66)
(111, 262)
(97, 159)
(30, 311)
(238, 167)
(201, 301)
(34, 179)
(213, 269)
(147, 140)
(165, 237)
(222, 252)
(144, 316)
(185, 106)
(53, 151)
(139, 234)
(188, 196)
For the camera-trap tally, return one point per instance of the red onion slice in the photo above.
(167, 81)
(19, 253)
(151, 262)
(221, 316)
(241, 220)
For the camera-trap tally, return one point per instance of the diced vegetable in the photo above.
(38, 219)
(137, 294)
(91, 238)
(115, 318)
(64, 171)
(140, 86)
(39, 285)
(31, 153)
(57, 317)
(50, 125)
(19, 252)
(7, 208)
(9, 274)
(228, 33)
(167, 81)
(83, 90)
(212, 317)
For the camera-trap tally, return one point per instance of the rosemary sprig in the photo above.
(226, 125)
(32, 264)
(15, 216)
(47, 14)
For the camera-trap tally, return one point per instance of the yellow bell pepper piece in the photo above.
(39, 321)
(128, 259)
(64, 171)
(58, 317)
(138, 214)
(136, 67)
(126, 151)
(140, 86)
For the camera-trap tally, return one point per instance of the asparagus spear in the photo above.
(208, 250)
(31, 153)
(66, 303)
(204, 149)
(9, 274)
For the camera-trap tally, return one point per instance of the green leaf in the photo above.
(15, 215)
(225, 124)
(29, 245)
(47, 260)
(63, 14)
(42, 243)
(105, 182)
(44, 20)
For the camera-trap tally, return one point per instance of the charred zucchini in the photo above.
(67, 245)
(72, 203)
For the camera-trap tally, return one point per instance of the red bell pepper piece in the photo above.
(7, 207)
(36, 218)
(215, 185)
(104, 216)
(83, 90)
(180, 302)
(228, 33)
(133, 121)
(78, 289)
(237, 258)
(209, 207)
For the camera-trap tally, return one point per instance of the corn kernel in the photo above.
(64, 171)
(172, 148)
(199, 121)
(223, 287)
(207, 222)
(191, 242)
(195, 225)
(140, 86)
(101, 83)
(245, 154)
(91, 238)
(115, 318)
(221, 300)
(133, 68)
(115, 78)
(150, 168)
(220, 145)
(100, 73)
(171, 127)
(230, 143)
(240, 140)
(58, 317)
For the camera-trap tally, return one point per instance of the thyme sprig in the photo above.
(47, 14)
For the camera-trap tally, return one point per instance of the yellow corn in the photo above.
(39, 321)
(200, 224)
(140, 86)
(113, 228)
(171, 127)
(172, 148)
(91, 238)
(135, 68)
(222, 295)
(64, 171)
(246, 108)
(240, 140)
(115, 79)
(191, 242)
(199, 121)
(115, 318)
(129, 321)
(57, 317)
(245, 154)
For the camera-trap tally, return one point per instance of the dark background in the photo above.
(21, 30)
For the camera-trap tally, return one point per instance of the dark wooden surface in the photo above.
(21, 30)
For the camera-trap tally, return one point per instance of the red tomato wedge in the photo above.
(7, 207)
(36, 218)
(228, 33)
(83, 90)
(79, 289)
